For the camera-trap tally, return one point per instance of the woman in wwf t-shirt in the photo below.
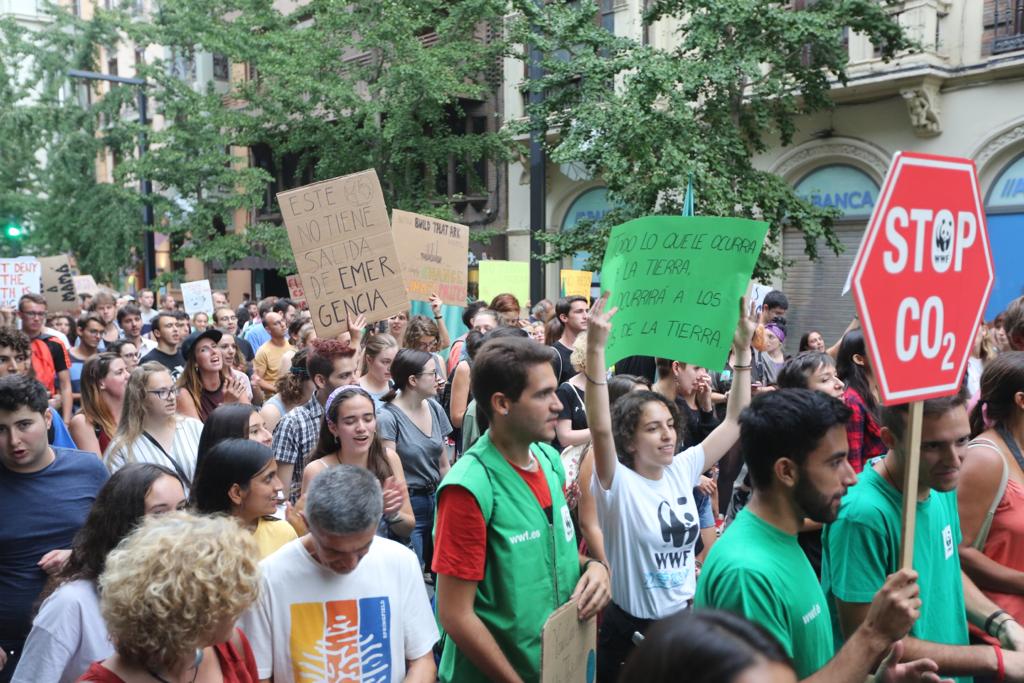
(643, 489)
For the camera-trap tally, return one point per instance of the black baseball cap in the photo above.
(193, 339)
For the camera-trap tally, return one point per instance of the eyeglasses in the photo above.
(165, 394)
(430, 372)
(227, 318)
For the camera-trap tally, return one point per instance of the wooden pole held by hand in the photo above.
(912, 455)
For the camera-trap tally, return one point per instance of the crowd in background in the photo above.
(228, 497)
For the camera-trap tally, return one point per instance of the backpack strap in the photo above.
(986, 525)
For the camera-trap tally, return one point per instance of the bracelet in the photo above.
(600, 562)
(438, 317)
(742, 367)
(593, 381)
(394, 519)
(991, 618)
(1000, 666)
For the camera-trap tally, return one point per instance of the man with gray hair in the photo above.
(342, 603)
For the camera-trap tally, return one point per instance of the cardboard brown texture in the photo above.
(344, 250)
(85, 284)
(433, 256)
(58, 284)
(568, 650)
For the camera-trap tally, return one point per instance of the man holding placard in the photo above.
(863, 545)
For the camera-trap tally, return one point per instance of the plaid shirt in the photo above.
(295, 436)
(863, 433)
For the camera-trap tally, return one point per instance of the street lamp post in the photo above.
(145, 185)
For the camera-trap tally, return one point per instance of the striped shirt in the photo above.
(181, 459)
(295, 436)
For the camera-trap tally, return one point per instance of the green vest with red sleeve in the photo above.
(532, 563)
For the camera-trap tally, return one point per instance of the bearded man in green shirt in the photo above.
(794, 444)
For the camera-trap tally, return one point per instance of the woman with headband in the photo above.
(348, 436)
(769, 362)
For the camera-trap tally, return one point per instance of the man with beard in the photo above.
(863, 545)
(794, 444)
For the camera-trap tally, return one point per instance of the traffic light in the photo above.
(12, 236)
(13, 229)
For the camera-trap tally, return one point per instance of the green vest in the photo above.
(532, 564)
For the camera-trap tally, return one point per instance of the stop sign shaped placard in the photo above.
(923, 276)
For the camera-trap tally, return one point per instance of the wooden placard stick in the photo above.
(910, 475)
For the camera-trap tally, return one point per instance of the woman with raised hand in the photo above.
(643, 490)
(207, 380)
(238, 477)
(171, 593)
(375, 374)
(150, 430)
(348, 436)
(104, 379)
(69, 633)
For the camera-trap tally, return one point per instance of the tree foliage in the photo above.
(644, 120)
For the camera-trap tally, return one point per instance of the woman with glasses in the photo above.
(104, 379)
(412, 423)
(150, 429)
(128, 352)
(69, 633)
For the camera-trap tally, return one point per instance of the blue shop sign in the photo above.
(842, 187)
(1008, 190)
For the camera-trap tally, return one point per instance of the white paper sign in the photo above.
(198, 297)
(21, 275)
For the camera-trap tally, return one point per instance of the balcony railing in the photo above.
(1008, 21)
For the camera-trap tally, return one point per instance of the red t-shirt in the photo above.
(460, 539)
(235, 666)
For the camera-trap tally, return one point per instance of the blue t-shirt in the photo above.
(77, 365)
(61, 435)
(40, 512)
(257, 336)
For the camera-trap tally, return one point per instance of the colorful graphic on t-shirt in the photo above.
(342, 641)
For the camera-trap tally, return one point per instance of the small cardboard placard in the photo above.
(197, 296)
(344, 251)
(18, 276)
(501, 277)
(85, 284)
(568, 650)
(576, 283)
(58, 283)
(295, 291)
(433, 256)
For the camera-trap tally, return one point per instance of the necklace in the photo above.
(195, 665)
(888, 474)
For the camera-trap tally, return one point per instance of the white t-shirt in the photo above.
(650, 529)
(67, 636)
(184, 451)
(312, 624)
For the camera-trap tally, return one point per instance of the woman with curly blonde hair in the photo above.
(171, 593)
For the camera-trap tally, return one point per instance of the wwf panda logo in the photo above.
(942, 241)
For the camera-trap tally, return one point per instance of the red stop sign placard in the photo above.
(923, 275)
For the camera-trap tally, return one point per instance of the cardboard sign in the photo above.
(197, 296)
(18, 276)
(295, 291)
(568, 650)
(501, 277)
(85, 284)
(58, 283)
(677, 282)
(344, 250)
(576, 283)
(433, 256)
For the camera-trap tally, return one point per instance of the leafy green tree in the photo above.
(644, 120)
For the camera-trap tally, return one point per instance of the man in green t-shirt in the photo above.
(794, 444)
(863, 545)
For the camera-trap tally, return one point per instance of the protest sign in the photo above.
(677, 282)
(58, 283)
(344, 250)
(295, 291)
(197, 296)
(500, 277)
(576, 283)
(433, 256)
(568, 650)
(85, 284)
(18, 276)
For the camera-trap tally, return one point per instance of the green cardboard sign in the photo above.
(677, 281)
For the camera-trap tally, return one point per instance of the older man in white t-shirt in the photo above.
(342, 603)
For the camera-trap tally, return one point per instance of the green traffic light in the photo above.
(14, 231)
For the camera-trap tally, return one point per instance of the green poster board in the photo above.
(500, 277)
(677, 281)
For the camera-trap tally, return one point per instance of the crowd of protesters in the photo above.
(226, 497)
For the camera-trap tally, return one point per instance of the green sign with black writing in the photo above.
(677, 281)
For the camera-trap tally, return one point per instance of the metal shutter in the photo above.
(814, 287)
